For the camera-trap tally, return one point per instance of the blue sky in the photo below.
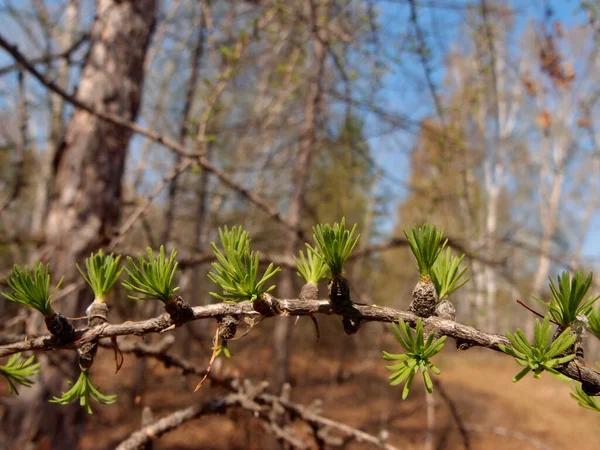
(391, 149)
(446, 23)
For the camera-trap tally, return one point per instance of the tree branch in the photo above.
(66, 54)
(251, 398)
(140, 438)
(293, 307)
(257, 200)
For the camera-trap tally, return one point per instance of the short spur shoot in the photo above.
(31, 288)
(426, 244)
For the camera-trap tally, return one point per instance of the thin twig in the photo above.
(19, 161)
(534, 311)
(439, 387)
(66, 54)
(212, 360)
(257, 200)
(501, 431)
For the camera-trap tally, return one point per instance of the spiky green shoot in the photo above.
(426, 243)
(569, 298)
(83, 389)
(223, 348)
(236, 269)
(152, 277)
(584, 400)
(102, 272)
(544, 354)
(447, 275)
(17, 371)
(594, 322)
(418, 355)
(32, 287)
(311, 268)
(334, 244)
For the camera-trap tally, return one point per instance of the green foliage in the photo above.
(417, 356)
(32, 288)
(568, 298)
(153, 277)
(334, 244)
(236, 269)
(426, 244)
(311, 268)
(594, 321)
(16, 371)
(223, 348)
(584, 400)
(543, 354)
(445, 274)
(83, 390)
(102, 273)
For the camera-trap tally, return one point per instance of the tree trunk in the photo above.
(86, 201)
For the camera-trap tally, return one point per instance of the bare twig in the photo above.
(212, 360)
(293, 307)
(66, 54)
(257, 200)
(251, 398)
(153, 431)
(439, 387)
(190, 93)
(19, 161)
(501, 431)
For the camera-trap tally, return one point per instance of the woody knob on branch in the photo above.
(31, 288)
(236, 273)
(426, 244)
(101, 273)
(312, 269)
(153, 278)
(334, 245)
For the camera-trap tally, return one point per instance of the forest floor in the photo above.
(499, 414)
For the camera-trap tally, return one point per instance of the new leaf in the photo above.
(417, 357)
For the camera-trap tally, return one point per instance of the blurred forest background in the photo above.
(481, 117)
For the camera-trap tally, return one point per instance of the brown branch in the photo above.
(66, 54)
(422, 50)
(462, 428)
(293, 307)
(19, 161)
(261, 405)
(158, 351)
(390, 244)
(322, 422)
(141, 209)
(140, 438)
(501, 431)
(190, 93)
(115, 119)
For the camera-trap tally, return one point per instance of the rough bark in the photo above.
(289, 307)
(86, 200)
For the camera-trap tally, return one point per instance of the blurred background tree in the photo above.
(478, 116)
